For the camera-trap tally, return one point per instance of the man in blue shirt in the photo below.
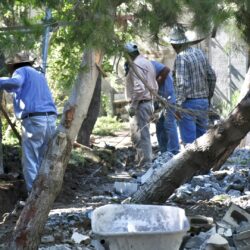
(34, 105)
(166, 128)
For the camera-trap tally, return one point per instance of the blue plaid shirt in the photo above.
(193, 75)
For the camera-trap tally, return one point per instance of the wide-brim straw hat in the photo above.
(179, 35)
(21, 57)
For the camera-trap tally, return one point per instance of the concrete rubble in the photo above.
(128, 188)
(71, 228)
(232, 232)
(68, 229)
(217, 242)
(230, 186)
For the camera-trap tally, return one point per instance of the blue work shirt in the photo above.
(166, 89)
(31, 92)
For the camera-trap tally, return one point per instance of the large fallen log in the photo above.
(208, 152)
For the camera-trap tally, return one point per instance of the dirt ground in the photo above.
(87, 182)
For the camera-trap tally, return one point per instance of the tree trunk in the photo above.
(2, 59)
(1, 138)
(30, 224)
(209, 151)
(93, 112)
(244, 89)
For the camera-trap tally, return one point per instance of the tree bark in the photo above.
(1, 138)
(2, 59)
(244, 89)
(30, 224)
(209, 151)
(93, 112)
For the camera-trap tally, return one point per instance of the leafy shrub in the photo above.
(107, 125)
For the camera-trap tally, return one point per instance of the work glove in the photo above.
(131, 111)
(178, 116)
(157, 106)
(156, 116)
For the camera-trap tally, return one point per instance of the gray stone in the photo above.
(242, 241)
(234, 193)
(47, 239)
(80, 238)
(58, 235)
(56, 247)
(200, 180)
(125, 188)
(97, 245)
(243, 227)
(224, 229)
(217, 242)
(220, 175)
(226, 232)
(203, 194)
(196, 242)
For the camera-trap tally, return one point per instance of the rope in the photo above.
(166, 106)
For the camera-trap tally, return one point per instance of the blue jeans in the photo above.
(166, 132)
(194, 126)
(36, 133)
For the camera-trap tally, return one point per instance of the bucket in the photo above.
(140, 227)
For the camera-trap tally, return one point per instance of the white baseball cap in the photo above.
(130, 47)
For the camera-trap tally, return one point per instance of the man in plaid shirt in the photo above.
(194, 81)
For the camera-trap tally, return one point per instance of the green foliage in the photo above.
(63, 66)
(107, 125)
(76, 157)
(106, 104)
(157, 14)
(225, 108)
(17, 14)
(105, 25)
(9, 136)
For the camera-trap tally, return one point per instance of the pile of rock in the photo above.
(232, 232)
(231, 181)
(68, 229)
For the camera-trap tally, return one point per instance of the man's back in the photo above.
(192, 74)
(144, 72)
(33, 94)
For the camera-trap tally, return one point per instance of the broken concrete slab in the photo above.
(226, 232)
(242, 237)
(244, 227)
(217, 242)
(224, 229)
(146, 176)
(198, 241)
(242, 244)
(235, 216)
(125, 188)
(80, 238)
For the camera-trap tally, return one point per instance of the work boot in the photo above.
(138, 172)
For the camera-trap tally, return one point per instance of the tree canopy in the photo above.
(106, 25)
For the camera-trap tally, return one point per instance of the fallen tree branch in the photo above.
(209, 151)
(12, 125)
(88, 152)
